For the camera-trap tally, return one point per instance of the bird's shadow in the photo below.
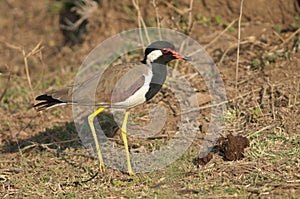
(59, 137)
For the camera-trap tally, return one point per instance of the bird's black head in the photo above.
(161, 52)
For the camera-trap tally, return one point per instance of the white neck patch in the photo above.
(151, 57)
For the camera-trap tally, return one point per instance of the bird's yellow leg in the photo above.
(92, 127)
(124, 137)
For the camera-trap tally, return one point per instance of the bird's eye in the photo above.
(164, 50)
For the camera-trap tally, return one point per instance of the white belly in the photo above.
(134, 100)
(139, 96)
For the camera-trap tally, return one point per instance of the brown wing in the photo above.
(117, 83)
(120, 82)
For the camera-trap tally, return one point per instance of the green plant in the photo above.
(277, 28)
(296, 24)
(198, 16)
(218, 19)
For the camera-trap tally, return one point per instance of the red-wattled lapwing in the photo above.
(136, 89)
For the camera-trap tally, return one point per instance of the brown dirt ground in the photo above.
(41, 155)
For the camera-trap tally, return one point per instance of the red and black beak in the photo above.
(181, 57)
(176, 55)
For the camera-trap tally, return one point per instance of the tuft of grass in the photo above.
(206, 20)
(56, 7)
(296, 24)
(218, 19)
(231, 116)
(277, 28)
(129, 10)
(176, 3)
(198, 16)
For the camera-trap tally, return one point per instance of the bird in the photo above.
(123, 86)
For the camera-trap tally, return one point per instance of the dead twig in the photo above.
(278, 35)
(221, 103)
(216, 38)
(285, 41)
(201, 108)
(180, 12)
(6, 86)
(177, 61)
(36, 50)
(188, 30)
(235, 45)
(13, 46)
(272, 99)
(238, 49)
(141, 23)
(222, 33)
(296, 94)
(46, 146)
(157, 19)
(158, 137)
(261, 130)
(190, 16)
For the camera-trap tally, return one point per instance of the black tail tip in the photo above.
(47, 102)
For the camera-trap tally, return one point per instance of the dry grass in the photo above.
(41, 154)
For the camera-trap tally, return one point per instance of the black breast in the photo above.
(158, 79)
